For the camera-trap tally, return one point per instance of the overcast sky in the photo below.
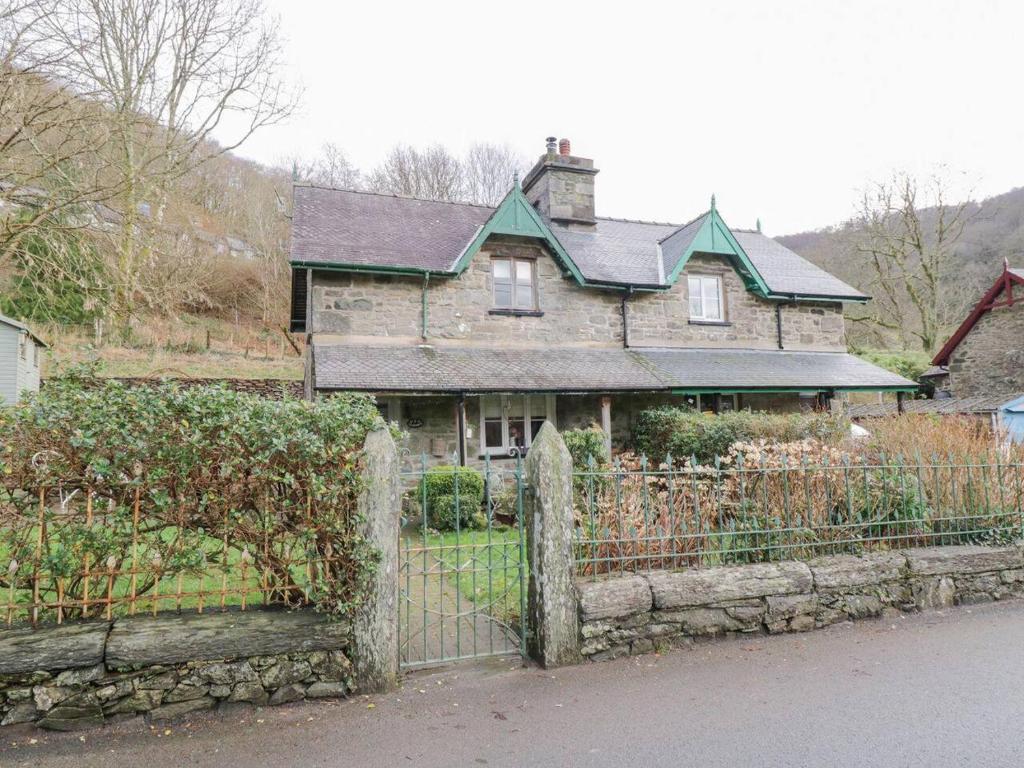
(783, 109)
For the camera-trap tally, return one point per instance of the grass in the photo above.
(483, 564)
(186, 346)
(219, 585)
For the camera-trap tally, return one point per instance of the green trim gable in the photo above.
(515, 216)
(715, 237)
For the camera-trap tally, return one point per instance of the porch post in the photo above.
(606, 422)
(460, 423)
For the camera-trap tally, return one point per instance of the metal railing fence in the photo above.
(752, 509)
(68, 552)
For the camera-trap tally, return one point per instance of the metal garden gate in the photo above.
(462, 565)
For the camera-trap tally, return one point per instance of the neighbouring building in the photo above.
(472, 325)
(20, 359)
(985, 356)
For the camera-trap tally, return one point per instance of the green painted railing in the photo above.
(462, 565)
(749, 509)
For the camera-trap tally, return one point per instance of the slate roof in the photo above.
(979, 404)
(479, 369)
(364, 229)
(476, 369)
(755, 369)
(333, 226)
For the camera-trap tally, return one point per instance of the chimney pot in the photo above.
(552, 144)
(564, 148)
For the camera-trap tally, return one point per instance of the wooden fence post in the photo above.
(375, 624)
(553, 605)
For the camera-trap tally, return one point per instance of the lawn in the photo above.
(484, 565)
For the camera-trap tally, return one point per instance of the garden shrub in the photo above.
(219, 476)
(444, 512)
(586, 444)
(438, 487)
(684, 432)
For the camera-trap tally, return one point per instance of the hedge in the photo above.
(684, 432)
(217, 475)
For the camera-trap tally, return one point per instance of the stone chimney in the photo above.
(561, 186)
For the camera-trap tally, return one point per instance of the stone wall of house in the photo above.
(990, 359)
(82, 674)
(627, 614)
(663, 319)
(363, 308)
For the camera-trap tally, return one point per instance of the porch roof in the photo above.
(429, 369)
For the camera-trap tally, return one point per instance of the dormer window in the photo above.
(515, 285)
(706, 298)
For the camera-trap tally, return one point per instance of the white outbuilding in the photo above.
(21, 353)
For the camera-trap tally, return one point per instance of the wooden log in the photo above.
(174, 639)
(375, 623)
(68, 646)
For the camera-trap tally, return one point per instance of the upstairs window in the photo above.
(514, 284)
(705, 298)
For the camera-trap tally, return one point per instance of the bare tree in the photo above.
(909, 232)
(48, 138)
(488, 170)
(168, 73)
(433, 173)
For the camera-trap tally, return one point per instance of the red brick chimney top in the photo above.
(564, 147)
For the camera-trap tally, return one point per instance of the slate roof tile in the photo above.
(346, 227)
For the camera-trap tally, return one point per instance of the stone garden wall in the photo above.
(87, 673)
(629, 614)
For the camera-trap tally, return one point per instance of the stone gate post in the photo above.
(553, 611)
(375, 624)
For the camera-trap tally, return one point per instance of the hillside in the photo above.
(994, 231)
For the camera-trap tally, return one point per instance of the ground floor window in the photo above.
(508, 423)
(713, 402)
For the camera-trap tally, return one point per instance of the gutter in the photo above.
(423, 306)
(625, 317)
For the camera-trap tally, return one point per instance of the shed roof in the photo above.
(476, 369)
(22, 327)
(364, 230)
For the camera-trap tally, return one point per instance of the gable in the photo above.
(515, 216)
(1003, 285)
(709, 234)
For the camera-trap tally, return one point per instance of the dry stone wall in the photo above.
(629, 614)
(82, 675)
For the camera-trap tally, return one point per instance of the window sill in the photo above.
(501, 456)
(719, 323)
(517, 312)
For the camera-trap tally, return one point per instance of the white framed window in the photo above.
(713, 403)
(514, 283)
(705, 293)
(508, 423)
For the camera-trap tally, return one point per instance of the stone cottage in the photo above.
(985, 356)
(473, 325)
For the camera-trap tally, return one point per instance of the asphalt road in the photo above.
(938, 689)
